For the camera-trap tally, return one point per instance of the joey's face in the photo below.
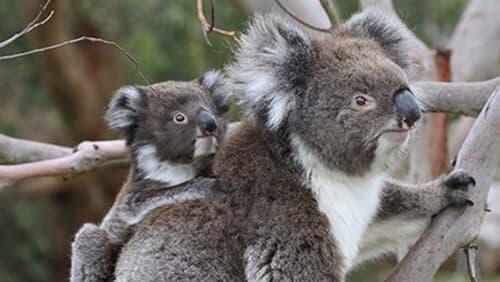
(352, 102)
(175, 121)
(180, 121)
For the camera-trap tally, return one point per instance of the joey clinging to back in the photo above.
(302, 170)
(336, 94)
(172, 128)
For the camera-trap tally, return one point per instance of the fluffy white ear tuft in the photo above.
(123, 109)
(216, 83)
(270, 66)
(387, 31)
(211, 78)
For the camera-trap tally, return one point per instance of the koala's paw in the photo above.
(458, 184)
(90, 237)
(91, 258)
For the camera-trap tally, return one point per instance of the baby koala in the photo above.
(172, 130)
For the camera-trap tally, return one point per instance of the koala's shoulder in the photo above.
(240, 150)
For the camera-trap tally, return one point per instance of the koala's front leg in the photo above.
(405, 211)
(92, 257)
(413, 201)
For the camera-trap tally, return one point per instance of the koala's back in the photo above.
(183, 242)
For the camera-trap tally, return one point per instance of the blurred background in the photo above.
(60, 97)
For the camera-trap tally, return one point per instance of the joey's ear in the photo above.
(216, 84)
(124, 109)
(387, 31)
(271, 64)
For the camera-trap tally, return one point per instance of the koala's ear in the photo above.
(216, 84)
(123, 110)
(387, 31)
(271, 64)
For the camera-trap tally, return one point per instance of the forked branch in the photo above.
(77, 40)
(87, 156)
(33, 24)
(207, 28)
(456, 228)
(43, 159)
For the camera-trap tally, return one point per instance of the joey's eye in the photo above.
(360, 100)
(180, 118)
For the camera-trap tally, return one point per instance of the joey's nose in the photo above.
(407, 109)
(206, 122)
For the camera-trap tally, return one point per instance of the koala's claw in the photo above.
(458, 184)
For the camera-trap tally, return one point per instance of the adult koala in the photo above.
(306, 168)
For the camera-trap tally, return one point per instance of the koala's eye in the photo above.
(363, 102)
(360, 100)
(180, 118)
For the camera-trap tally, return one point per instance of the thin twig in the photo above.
(470, 254)
(212, 16)
(302, 22)
(76, 40)
(206, 28)
(31, 25)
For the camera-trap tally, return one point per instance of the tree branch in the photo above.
(299, 20)
(332, 12)
(62, 161)
(86, 157)
(14, 150)
(470, 253)
(35, 23)
(206, 28)
(465, 98)
(455, 228)
(77, 40)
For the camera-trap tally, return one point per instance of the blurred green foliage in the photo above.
(165, 38)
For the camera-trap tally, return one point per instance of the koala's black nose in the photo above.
(207, 123)
(407, 109)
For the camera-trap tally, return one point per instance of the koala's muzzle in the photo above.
(407, 109)
(206, 122)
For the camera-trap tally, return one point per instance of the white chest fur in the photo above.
(163, 171)
(349, 203)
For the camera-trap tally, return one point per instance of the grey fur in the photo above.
(145, 116)
(388, 32)
(92, 255)
(406, 209)
(300, 92)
